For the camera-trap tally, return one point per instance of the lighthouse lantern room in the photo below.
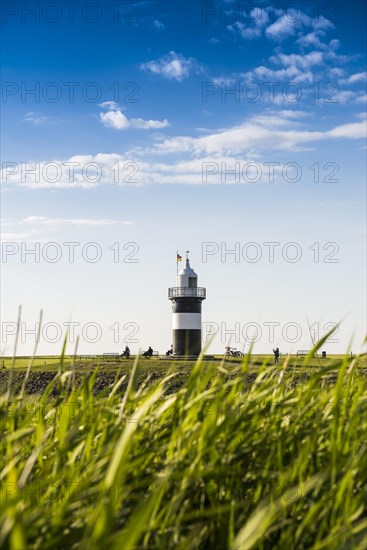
(186, 300)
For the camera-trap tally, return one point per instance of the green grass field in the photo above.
(276, 463)
(50, 363)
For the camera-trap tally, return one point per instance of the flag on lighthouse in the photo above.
(179, 258)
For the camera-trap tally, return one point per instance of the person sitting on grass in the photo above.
(126, 352)
(276, 355)
(148, 353)
(170, 351)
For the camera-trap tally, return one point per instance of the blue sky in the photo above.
(185, 123)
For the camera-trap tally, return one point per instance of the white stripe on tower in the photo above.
(186, 321)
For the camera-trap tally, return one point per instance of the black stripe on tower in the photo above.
(186, 305)
(187, 341)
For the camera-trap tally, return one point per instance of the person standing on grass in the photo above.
(276, 355)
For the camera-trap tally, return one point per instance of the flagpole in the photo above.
(177, 266)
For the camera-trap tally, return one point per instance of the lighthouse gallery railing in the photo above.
(187, 292)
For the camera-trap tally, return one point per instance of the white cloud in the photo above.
(349, 96)
(258, 19)
(37, 118)
(289, 22)
(79, 171)
(345, 96)
(258, 134)
(158, 25)
(353, 130)
(172, 66)
(282, 28)
(321, 23)
(35, 219)
(299, 67)
(357, 77)
(114, 119)
(336, 72)
(117, 120)
(304, 62)
(316, 58)
(147, 124)
(15, 236)
(281, 117)
(180, 159)
(295, 20)
(311, 40)
(39, 221)
(361, 100)
(245, 31)
(334, 44)
(110, 105)
(290, 73)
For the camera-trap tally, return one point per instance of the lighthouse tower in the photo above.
(186, 300)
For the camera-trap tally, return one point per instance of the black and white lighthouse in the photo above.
(186, 300)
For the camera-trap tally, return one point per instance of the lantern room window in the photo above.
(193, 282)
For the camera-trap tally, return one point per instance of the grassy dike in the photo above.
(235, 455)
